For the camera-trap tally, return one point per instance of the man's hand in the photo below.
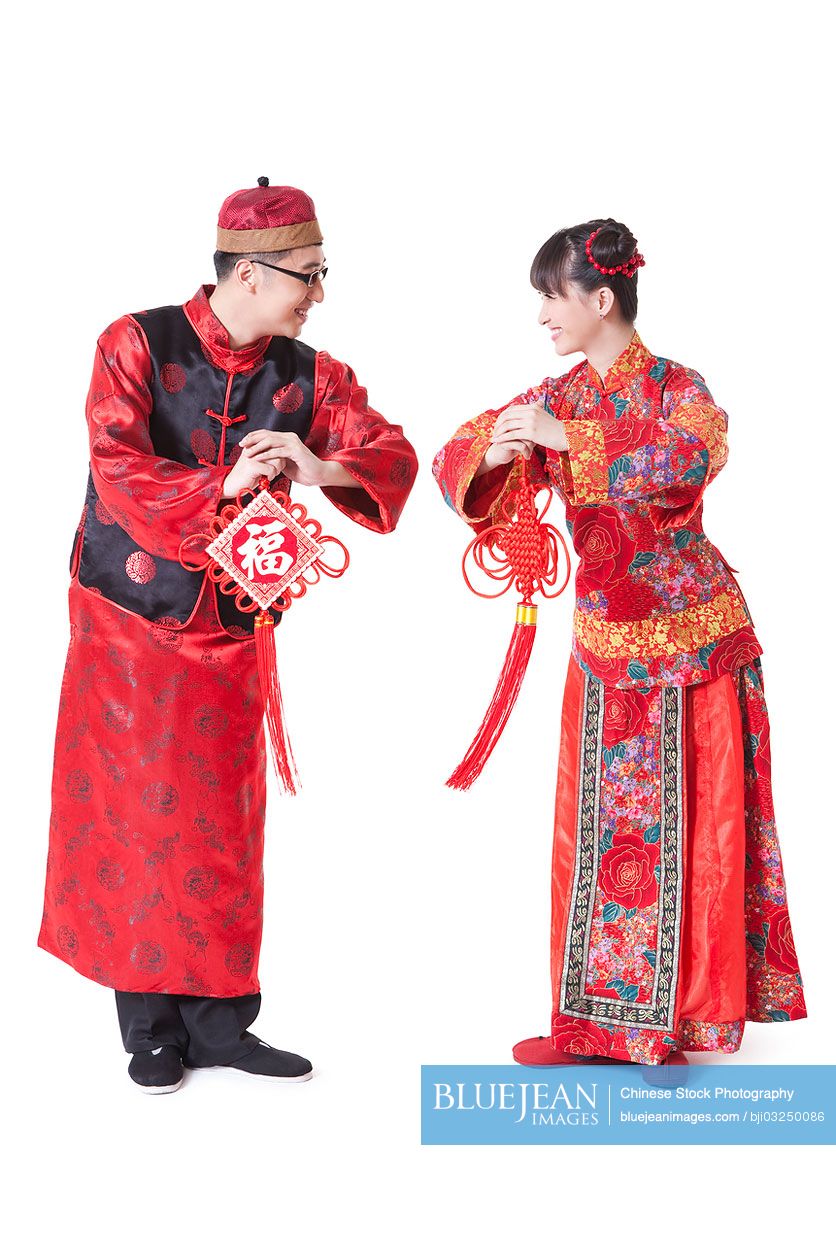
(298, 463)
(249, 469)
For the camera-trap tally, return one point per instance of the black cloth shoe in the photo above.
(273, 1065)
(157, 1071)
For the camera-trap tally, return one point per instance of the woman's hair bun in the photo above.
(614, 243)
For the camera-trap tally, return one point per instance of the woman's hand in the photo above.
(517, 430)
(530, 423)
(504, 451)
(298, 463)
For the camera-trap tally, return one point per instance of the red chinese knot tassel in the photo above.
(280, 531)
(503, 701)
(525, 552)
(265, 652)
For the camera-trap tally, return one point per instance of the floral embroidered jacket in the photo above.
(656, 603)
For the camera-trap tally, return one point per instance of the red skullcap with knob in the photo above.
(267, 219)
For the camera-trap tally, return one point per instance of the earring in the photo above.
(600, 315)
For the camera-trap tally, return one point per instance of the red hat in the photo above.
(267, 219)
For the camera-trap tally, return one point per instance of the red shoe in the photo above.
(538, 1052)
(669, 1072)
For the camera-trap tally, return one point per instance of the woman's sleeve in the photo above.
(480, 500)
(347, 430)
(667, 462)
(157, 501)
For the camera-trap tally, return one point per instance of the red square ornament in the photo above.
(264, 549)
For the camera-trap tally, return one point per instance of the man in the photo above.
(154, 874)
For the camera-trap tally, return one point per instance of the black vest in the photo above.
(188, 394)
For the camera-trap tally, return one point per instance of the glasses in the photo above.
(308, 278)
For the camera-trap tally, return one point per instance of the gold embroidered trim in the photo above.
(588, 461)
(465, 478)
(684, 630)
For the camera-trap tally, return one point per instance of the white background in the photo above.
(408, 924)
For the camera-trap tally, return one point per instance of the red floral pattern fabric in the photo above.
(656, 603)
(670, 924)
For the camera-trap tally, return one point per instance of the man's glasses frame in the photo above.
(309, 278)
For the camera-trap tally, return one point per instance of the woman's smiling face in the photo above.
(574, 319)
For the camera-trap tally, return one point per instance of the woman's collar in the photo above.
(633, 360)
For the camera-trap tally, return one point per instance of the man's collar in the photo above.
(214, 335)
(631, 361)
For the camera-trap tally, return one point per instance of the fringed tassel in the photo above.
(265, 652)
(503, 701)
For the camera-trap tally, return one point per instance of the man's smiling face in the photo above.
(283, 302)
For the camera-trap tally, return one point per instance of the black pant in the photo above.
(206, 1031)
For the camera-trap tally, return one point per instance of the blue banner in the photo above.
(603, 1104)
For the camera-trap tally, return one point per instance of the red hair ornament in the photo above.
(266, 554)
(628, 267)
(522, 551)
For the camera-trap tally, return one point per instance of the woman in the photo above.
(669, 914)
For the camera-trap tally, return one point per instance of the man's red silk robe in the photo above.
(154, 872)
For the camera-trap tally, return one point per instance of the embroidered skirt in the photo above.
(154, 874)
(670, 925)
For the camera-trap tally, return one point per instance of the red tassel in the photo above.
(503, 701)
(265, 652)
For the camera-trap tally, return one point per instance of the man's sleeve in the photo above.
(347, 430)
(480, 501)
(667, 462)
(158, 502)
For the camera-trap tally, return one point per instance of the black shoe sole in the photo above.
(158, 1089)
(263, 1076)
